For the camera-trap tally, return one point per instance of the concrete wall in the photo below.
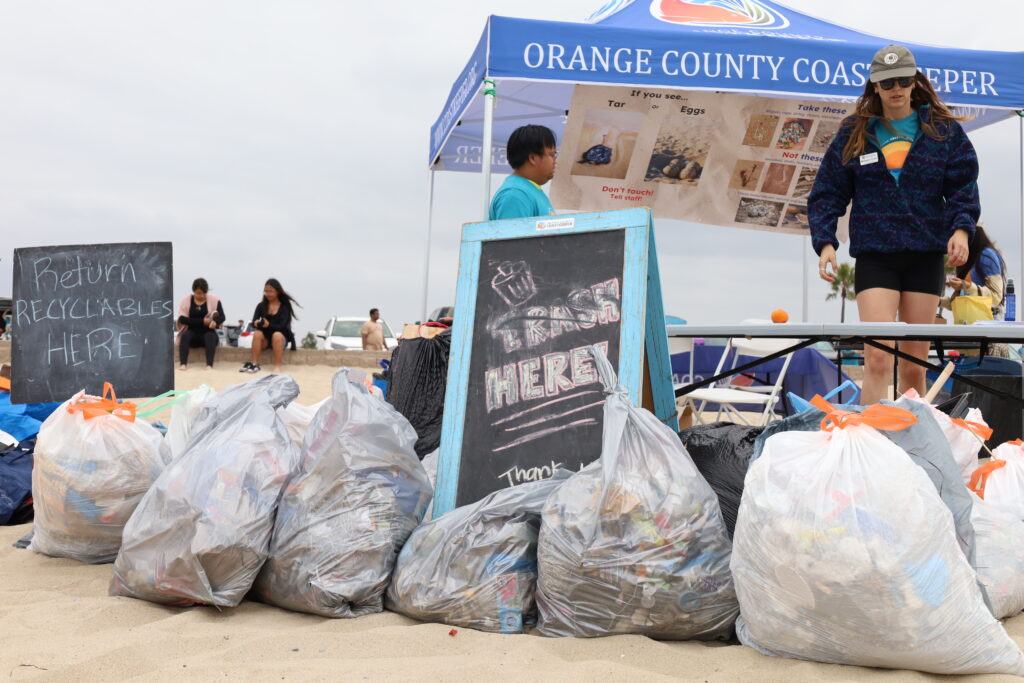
(230, 354)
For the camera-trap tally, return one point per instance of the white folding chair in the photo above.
(728, 397)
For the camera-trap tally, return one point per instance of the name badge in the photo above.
(866, 159)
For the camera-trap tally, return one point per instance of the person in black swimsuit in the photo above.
(273, 322)
(197, 325)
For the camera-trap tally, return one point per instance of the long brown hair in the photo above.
(869, 106)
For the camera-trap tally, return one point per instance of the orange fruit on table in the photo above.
(780, 316)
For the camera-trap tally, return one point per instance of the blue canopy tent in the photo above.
(755, 47)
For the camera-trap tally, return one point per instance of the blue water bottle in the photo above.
(1011, 302)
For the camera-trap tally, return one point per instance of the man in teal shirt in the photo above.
(531, 153)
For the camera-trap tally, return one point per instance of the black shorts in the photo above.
(903, 271)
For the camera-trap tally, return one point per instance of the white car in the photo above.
(343, 333)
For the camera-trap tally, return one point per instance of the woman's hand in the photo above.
(956, 283)
(827, 256)
(957, 249)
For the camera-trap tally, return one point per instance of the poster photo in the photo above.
(716, 158)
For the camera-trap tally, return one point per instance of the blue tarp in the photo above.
(753, 46)
(22, 421)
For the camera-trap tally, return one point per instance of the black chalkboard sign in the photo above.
(88, 314)
(523, 397)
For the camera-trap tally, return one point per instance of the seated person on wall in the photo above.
(273, 322)
(199, 315)
(531, 153)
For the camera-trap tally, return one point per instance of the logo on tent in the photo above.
(718, 13)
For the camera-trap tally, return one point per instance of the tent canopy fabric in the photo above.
(750, 46)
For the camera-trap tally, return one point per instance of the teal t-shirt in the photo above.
(519, 198)
(896, 146)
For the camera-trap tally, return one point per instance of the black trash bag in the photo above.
(418, 374)
(598, 154)
(722, 452)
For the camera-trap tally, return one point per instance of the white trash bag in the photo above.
(93, 463)
(1000, 481)
(999, 553)
(201, 533)
(965, 436)
(358, 493)
(184, 407)
(845, 554)
(635, 541)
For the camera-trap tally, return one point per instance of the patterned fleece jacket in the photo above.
(937, 194)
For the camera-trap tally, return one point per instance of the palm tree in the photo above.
(842, 287)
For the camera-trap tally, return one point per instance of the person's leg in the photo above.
(210, 340)
(877, 305)
(916, 308)
(258, 341)
(184, 343)
(278, 344)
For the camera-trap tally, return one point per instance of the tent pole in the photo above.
(430, 229)
(805, 243)
(485, 167)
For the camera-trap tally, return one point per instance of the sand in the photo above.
(60, 624)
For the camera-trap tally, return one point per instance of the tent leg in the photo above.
(805, 243)
(426, 261)
(485, 145)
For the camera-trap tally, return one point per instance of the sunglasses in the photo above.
(890, 83)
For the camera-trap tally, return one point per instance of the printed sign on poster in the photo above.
(716, 158)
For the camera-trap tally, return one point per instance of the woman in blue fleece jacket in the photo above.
(910, 174)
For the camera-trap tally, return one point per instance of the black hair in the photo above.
(284, 296)
(527, 140)
(200, 284)
(979, 243)
(374, 310)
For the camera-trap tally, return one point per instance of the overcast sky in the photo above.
(289, 139)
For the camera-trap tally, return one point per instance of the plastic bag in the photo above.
(93, 463)
(419, 375)
(297, 418)
(430, 461)
(721, 451)
(862, 567)
(359, 492)
(965, 435)
(1000, 481)
(184, 407)
(999, 540)
(634, 542)
(201, 533)
(969, 309)
(475, 566)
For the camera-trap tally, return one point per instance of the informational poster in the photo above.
(716, 158)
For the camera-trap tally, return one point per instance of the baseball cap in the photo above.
(892, 61)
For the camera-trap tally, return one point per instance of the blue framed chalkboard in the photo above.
(523, 397)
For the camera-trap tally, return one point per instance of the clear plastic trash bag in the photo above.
(635, 541)
(183, 416)
(844, 553)
(999, 548)
(201, 533)
(475, 566)
(359, 492)
(297, 418)
(92, 468)
(965, 436)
